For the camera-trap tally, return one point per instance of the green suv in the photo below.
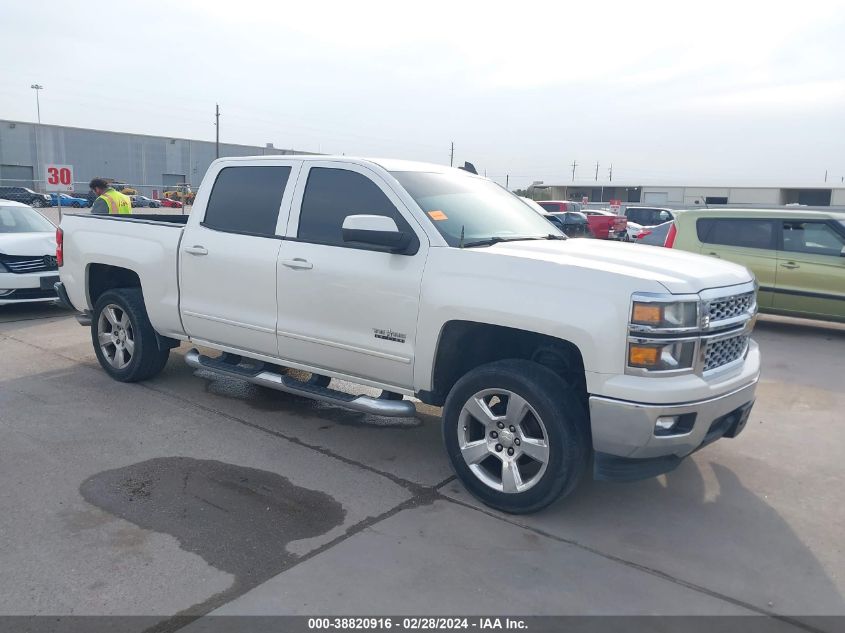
(797, 256)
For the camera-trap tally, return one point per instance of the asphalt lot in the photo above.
(191, 494)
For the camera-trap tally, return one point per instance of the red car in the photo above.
(606, 225)
(167, 202)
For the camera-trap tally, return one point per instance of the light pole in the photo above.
(37, 87)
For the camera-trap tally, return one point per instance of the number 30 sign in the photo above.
(58, 177)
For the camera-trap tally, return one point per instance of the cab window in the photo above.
(331, 195)
(247, 200)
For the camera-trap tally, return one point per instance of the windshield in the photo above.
(23, 220)
(480, 209)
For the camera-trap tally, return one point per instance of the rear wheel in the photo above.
(124, 340)
(516, 434)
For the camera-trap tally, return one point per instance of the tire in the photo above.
(121, 318)
(76, 205)
(552, 412)
(38, 203)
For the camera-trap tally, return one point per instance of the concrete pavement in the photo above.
(194, 494)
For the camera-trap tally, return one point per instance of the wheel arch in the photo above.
(102, 277)
(464, 345)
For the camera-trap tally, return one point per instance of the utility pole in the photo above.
(825, 175)
(597, 171)
(217, 126)
(507, 182)
(574, 165)
(452, 155)
(610, 173)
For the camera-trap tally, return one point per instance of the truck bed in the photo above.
(145, 244)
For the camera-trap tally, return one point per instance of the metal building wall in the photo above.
(148, 162)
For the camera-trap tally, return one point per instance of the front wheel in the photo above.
(38, 204)
(516, 435)
(124, 340)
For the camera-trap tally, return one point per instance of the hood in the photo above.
(38, 244)
(678, 271)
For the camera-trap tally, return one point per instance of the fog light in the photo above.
(666, 423)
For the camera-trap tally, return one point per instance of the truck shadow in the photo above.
(702, 525)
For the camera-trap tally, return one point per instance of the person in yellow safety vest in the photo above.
(109, 201)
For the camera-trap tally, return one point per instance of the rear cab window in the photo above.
(247, 199)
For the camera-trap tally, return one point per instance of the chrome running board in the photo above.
(280, 382)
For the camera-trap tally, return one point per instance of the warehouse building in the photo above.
(686, 195)
(151, 164)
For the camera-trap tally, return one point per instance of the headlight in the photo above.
(660, 356)
(3, 269)
(657, 315)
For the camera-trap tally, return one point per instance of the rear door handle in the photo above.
(790, 265)
(298, 263)
(196, 250)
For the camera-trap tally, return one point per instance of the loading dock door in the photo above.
(656, 197)
(16, 176)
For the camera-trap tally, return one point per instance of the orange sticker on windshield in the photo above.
(437, 215)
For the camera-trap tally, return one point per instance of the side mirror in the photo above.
(375, 230)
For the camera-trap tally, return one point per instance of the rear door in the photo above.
(228, 257)
(748, 241)
(811, 269)
(346, 308)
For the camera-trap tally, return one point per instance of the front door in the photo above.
(228, 257)
(349, 309)
(811, 269)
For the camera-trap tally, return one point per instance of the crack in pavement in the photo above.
(421, 495)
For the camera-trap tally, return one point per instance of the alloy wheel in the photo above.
(503, 440)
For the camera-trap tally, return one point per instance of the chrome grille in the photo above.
(730, 307)
(28, 264)
(725, 351)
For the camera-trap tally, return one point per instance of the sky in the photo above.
(665, 92)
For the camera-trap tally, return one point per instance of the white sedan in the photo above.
(27, 255)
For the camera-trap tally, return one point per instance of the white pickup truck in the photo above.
(548, 355)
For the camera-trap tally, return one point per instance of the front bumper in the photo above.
(28, 287)
(627, 447)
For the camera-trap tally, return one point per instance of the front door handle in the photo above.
(716, 255)
(298, 263)
(196, 250)
(790, 265)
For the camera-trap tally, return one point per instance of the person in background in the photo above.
(109, 201)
